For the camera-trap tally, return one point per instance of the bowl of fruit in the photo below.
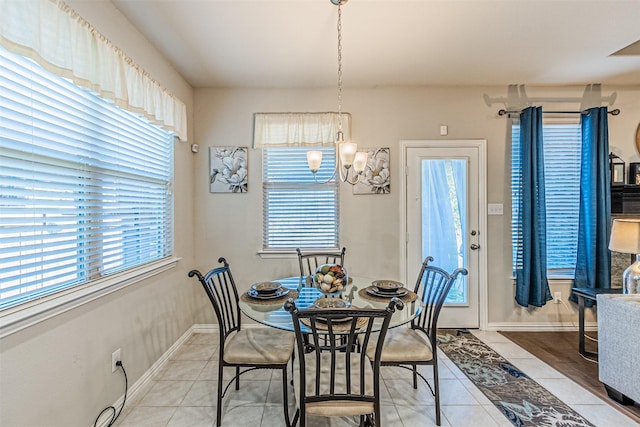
(330, 279)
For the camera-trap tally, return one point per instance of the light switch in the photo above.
(444, 129)
(495, 209)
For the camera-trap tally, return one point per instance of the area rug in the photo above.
(522, 400)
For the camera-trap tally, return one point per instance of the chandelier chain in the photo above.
(339, 67)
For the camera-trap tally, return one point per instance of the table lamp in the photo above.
(625, 238)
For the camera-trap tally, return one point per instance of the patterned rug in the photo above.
(522, 400)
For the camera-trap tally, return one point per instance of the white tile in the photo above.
(243, 416)
(203, 339)
(194, 352)
(453, 392)
(604, 415)
(497, 415)
(403, 393)
(166, 393)
(148, 416)
(251, 393)
(181, 370)
(202, 393)
(569, 392)
(491, 336)
(477, 394)
(420, 415)
(510, 350)
(193, 417)
(535, 368)
(461, 416)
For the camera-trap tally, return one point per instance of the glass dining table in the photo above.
(356, 294)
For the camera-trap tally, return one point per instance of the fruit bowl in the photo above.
(330, 279)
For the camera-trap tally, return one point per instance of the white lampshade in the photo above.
(360, 161)
(625, 236)
(314, 159)
(347, 153)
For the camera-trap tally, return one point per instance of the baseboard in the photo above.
(157, 366)
(539, 327)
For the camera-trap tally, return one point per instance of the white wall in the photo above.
(57, 373)
(370, 223)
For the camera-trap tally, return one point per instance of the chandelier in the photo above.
(348, 155)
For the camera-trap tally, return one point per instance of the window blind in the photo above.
(84, 185)
(562, 157)
(297, 212)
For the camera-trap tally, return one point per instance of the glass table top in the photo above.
(276, 316)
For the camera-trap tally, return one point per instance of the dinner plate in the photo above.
(264, 288)
(399, 293)
(387, 286)
(273, 295)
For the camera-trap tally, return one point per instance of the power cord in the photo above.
(117, 413)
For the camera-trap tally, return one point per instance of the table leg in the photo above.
(581, 325)
(581, 335)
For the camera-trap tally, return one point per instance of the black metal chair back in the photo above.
(223, 294)
(432, 287)
(309, 262)
(338, 373)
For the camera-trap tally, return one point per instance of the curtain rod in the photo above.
(503, 112)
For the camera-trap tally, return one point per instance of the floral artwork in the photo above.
(228, 169)
(376, 177)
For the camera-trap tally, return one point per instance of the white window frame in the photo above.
(291, 196)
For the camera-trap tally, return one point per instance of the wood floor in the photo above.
(560, 351)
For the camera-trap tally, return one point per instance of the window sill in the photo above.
(25, 315)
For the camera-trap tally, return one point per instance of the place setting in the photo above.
(384, 290)
(268, 294)
(338, 324)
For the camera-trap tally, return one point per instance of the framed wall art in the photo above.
(376, 176)
(228, 169)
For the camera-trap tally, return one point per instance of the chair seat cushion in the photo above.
(259, 346)
(335, 407)
(402, 345)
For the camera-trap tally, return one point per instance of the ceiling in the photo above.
(293, 43)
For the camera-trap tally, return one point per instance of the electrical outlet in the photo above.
(557, 297)
(115, 358)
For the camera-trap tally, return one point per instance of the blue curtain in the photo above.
(532, 287)
(593, 266)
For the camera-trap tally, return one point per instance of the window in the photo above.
(297, 211)
(562, 155)
(85, 187)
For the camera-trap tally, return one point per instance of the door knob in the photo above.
(474, 247)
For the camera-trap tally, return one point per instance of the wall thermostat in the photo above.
(195, 148)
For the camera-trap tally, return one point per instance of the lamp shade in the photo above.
(625, 236)
(314, 159)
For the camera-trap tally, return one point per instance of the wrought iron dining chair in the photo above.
(264, 348)
(339, 381)
(417, 345)
(310, 261)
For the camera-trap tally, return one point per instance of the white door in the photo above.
(445, 219)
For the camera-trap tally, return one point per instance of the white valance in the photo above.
(299, 129)
(57, 38)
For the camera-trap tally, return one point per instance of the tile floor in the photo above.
(183, 394)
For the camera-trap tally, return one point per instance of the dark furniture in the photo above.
(264, 348)
(339, 380)
(590, 294)
(409, 347)
(310, 261)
